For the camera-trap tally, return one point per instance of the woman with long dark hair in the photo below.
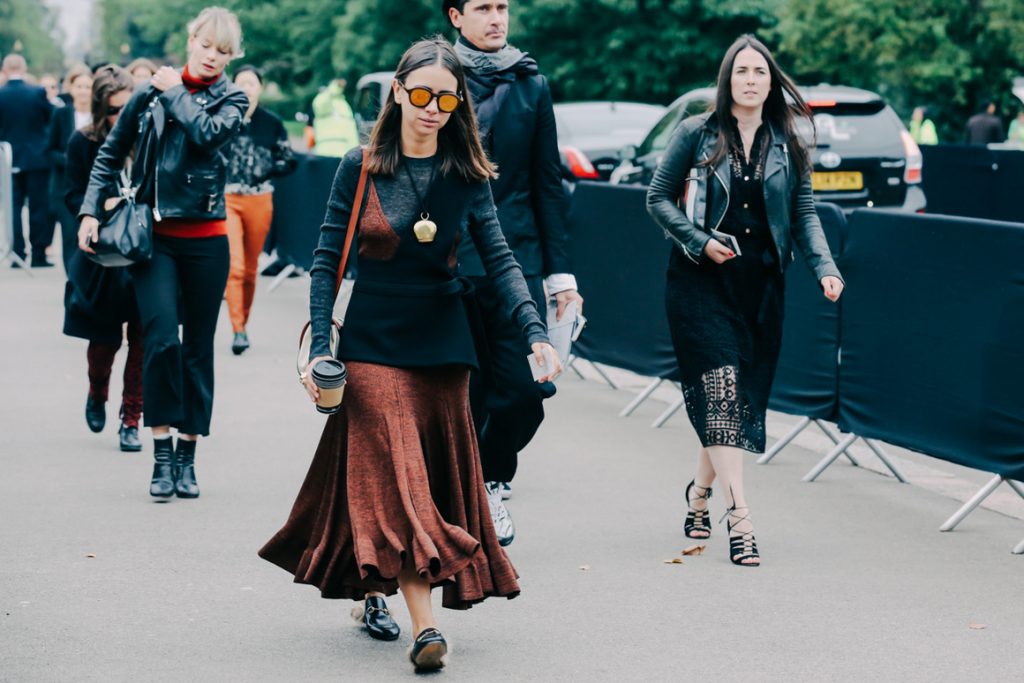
(395, 497)
(175, 129)
(733, 192)
(99, 301)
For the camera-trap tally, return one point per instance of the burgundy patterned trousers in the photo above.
(101, 363)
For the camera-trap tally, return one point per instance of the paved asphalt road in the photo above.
(98, 583)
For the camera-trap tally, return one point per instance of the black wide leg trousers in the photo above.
(507, 403)
(183, 284)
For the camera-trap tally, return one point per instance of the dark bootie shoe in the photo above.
(185, 470)
(129, 438)
(240, 343)
(162, 485)
(430, 651)
(95, 414)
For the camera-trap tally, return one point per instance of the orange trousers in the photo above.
(249, 219)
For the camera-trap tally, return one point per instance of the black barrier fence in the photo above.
(300, 201)
(807, 379)
(974, 181)
(932, 333)
(619, 256)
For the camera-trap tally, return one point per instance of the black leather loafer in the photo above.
(430, 651)
(129, 437)
(377, 620)
(95, 414)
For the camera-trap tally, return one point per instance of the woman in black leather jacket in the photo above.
(174, 130)
(734, 193)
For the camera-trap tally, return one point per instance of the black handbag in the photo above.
(125, 234)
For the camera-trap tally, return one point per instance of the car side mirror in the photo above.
(628, 153)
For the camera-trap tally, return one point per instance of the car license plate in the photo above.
(837, 180)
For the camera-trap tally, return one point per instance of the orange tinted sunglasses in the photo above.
(420, 97)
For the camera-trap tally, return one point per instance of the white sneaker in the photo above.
(506, 490)
(503, 525)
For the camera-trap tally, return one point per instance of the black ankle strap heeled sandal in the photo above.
(742, 547)
(697, 521)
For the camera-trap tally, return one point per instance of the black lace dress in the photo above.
(726, 320)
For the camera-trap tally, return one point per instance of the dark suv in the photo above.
(864, 156)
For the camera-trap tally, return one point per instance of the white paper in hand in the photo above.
(535, 367)
(565, 331)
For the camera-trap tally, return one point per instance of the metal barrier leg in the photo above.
(835, 439)
(281, 277)
(1019, 550)
(884, 457)
(832, 456)
(641, 397)
(604, 375)
(7, 207)
(1016, 487)
(669, 412)
(570, 364)
(970, 505)
(784, 441)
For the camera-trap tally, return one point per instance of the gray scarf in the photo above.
(488, 62)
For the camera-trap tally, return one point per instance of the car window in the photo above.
(657, 139)
(855, 131)
(368, 102)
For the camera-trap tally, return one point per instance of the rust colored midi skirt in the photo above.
(396, 478)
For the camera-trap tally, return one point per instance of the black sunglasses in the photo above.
(420, 97)
(114, 110)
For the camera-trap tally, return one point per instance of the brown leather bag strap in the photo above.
(353, 221)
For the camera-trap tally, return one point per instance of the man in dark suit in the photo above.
(984, 127)
(24, 118)
(517, 126)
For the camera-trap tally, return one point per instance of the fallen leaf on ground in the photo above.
(585, 568)
(674, 560)
(697, 549)
(976, 627)
(91, 556)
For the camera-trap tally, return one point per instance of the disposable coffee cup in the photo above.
(330, 377)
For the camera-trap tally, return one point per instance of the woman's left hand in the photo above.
(832, 286)
(543, 352)
(165, 79)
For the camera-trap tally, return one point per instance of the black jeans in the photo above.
(177, 375)
(506, 401)
(33, 186)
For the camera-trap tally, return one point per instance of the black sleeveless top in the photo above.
(406, 307)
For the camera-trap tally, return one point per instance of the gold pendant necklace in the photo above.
(425, 229)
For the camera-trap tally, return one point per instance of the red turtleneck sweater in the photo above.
(184, 227)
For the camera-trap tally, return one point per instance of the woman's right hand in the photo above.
(88, 231)
(307, 378)
(718, 252)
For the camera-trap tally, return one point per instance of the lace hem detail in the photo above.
(720, 414)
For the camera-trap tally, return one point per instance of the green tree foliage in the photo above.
(644, 50)
(30, 26)
(944, 54)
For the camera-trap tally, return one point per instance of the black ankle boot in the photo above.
(95, 414)
(185, 470)
(162, 485)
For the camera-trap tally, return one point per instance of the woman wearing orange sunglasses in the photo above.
(395, 496)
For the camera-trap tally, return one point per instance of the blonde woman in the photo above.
(199, 111)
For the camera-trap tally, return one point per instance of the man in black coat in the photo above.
(24, 117)
(984, 127)
(517, 126)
